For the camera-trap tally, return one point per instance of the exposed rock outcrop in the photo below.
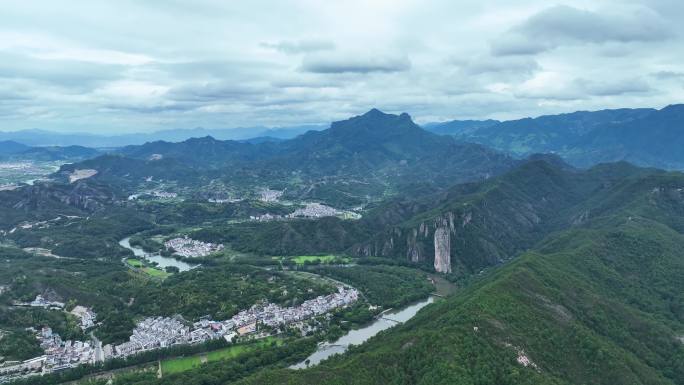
(443, 250)
(81, 195)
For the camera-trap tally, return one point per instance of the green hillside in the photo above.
(602, 303)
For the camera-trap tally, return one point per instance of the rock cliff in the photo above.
(442, 250)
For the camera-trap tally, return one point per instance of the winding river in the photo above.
(162, 262)
(358, 336)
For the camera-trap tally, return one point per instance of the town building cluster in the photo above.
(164, 194)
(59, 355)
(160, 332)
(273, 315)
(153, 333)
(266, 217)
(314, 210)
(43, 302)
(154, 195)
(85, 315)
(191, 248)
(269, 195)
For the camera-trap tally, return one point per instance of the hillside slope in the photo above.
(643, 136)
(360, 159)
(600, 303)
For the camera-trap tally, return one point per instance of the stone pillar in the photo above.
(442, 250)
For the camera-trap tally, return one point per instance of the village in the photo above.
(161, 332)
(191, 248)
(311, 210)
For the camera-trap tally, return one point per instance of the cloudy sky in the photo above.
(128, 66)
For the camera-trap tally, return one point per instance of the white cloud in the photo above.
(561, 24)
(130, 65)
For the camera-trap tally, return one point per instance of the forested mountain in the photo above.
(8, 147)
(366, 156)
(567, 275)
(599, 302)
(482, 224)
(459, 127)
(11, 150)
(642, 136)
(67, 153)
(36, 137)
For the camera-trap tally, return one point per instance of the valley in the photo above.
(372, 250)
(342, 192)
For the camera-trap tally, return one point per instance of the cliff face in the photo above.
(80, 195)
(430, 241)
(442, 250)
(476, 226)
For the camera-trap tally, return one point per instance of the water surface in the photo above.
(161, 261)
(358, 336)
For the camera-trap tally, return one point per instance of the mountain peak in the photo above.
(374, 112)
(673, 109)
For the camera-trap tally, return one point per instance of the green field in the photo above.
(152, 272)
(301, 259)
(134, 262)
(177, 365)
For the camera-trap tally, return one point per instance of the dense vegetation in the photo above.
(568, 276)
(19, 345)
(388, 286)
(353, 162)
(120, 295)
(642, 136)
(599, 305)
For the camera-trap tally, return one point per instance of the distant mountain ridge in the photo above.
(11, 150)
(367, 155)
(8, 147)
(36, 137)
(643, 136)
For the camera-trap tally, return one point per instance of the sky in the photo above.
(136, 66)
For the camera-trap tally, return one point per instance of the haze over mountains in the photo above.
(353, 161)
(342, 192)
(542, 250)
(37, 137)
(643, 136)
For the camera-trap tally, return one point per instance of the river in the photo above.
(358, 336)
(161, 261)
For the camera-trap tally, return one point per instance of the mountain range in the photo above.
(565, 274)
(643, 136)
(368, 155)
(10, 150)
(594, 294)
(37, 137)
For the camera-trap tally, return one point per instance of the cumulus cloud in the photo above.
(554, 86)
(128, 66)
(562, 24)
(355, 64)
(299, 46)
(68, 74)
(206, 92)
(487, 64)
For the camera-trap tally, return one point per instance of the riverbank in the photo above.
(386, 320)
(160, 261)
